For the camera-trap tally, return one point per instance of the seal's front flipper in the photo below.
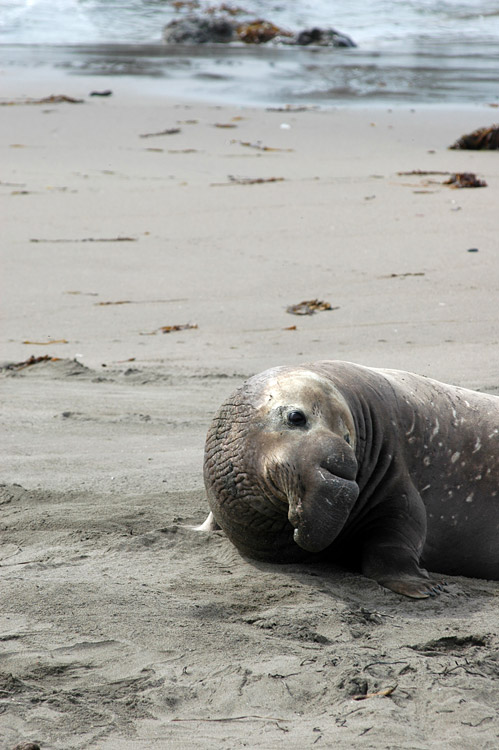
(392, 552)
(396, 567)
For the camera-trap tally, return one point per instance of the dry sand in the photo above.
(121, 627)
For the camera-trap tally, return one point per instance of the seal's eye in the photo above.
(297, 418)
(347, 438)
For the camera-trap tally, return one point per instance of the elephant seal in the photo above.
(380, 469)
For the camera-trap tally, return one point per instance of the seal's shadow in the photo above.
(463, 597)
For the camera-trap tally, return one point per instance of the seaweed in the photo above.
(260, 32)
(52, 99)
(168, 131)
(253, 180)
(117, 302)
(259, 146)
(31, 361)
(464, 180)
(422, 172)
(482, 138)
(181, 327)
(46, 343)
(87, 239)
(309, 307)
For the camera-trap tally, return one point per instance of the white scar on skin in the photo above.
(411, 429)
(436, 429)
(322, 475)
(455, 457)
(478, 445)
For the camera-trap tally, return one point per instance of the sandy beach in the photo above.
(126, 215)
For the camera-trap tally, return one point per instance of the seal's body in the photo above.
(379, 468)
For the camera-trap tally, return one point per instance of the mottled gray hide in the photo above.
(384, 470)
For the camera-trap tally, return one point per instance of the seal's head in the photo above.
(280, 464)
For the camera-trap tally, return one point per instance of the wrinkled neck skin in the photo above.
(377, 450)
(253, 518)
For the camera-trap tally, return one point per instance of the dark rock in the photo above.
(222, 30)
(323, 38)
(196, 30)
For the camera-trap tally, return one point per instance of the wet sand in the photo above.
(120, 626)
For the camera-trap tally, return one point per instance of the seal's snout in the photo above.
(339, 460)
(322, 511)
(299, 519)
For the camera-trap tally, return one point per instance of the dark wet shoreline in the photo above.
(256, 75)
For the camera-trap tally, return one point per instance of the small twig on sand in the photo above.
(377, 694)
(87, 239)
(168, 131)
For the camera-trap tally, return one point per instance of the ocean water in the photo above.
(416, 51)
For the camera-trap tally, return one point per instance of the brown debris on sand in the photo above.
(168, 131)
(378, 694)
(45, 343)
(309, 307)
(252, 180)
(455, 180)
(181, 327)
(259, 146)
(171, 329)
(86, 239)
(114, 302)
(52, 99)
(483, 138)
(421, 172)
(31, 361)
(464, 180)
(402, 275)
